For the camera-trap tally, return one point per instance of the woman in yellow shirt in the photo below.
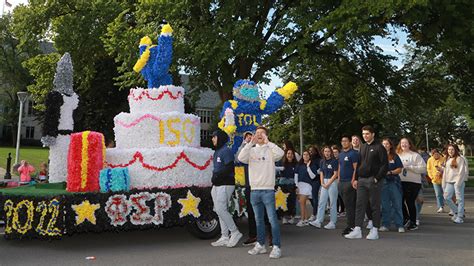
(434, 168)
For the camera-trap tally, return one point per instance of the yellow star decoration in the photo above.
(85, 211)
(281, 199)
(189, 205)
(239, 175)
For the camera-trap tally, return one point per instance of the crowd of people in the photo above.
(374, 181)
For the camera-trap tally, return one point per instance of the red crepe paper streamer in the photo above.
(182, 156)
(84, 165)
(159, 97)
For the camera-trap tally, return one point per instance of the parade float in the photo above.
(156, 176)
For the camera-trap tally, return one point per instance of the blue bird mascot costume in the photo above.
(244, 112)
(155, 60)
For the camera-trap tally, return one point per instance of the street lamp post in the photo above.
(427, 143)
(301, 133)
(22, 96)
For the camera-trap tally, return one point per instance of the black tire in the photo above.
(204, 229)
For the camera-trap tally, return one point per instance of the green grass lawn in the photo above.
(34, 155)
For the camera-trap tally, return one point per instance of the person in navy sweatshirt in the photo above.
(223, 185)
(306, 172)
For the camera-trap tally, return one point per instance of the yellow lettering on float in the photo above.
(255, 120)
(174, 131)
(16, 223)
(190, 139)
(248, 119)
(162, 132)
(240, 116)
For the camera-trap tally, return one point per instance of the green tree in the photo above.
(218, 42)
(13, 76)
(430, 97)
(76, 27)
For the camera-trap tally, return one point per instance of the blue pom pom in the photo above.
(115, 179)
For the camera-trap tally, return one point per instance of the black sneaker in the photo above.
(250, 241)
(412, 227)
(346, 231)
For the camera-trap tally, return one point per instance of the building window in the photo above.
(205, 115)
(30, 108)
(30, 132)
(205, 134)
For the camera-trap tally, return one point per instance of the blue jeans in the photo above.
(438, 189)
(265, 200)
(451, 189)
(331, 194)
(419, 204)
(392, 203)
(316, 185)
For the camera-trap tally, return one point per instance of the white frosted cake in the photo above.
(159, 143)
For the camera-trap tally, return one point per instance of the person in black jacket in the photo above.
(223, 185)
(368, 182)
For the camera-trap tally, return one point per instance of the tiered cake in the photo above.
(157, 141)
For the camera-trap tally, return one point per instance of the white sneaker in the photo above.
(291, 220)
(223, 241)
(257, 249)
(401, 230)
(355, 234)
(234, 239)
(458, 220)
(454, 217)
(276, 253)
(373, 234)
(312, 218)
(302, 223)
(440, 210)
(417, 222)
(383, 229)
(370, 225)
(284, 220)
(315, 224)
(330, 226)
(297, 216)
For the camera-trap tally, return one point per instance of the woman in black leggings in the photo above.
(413, 167)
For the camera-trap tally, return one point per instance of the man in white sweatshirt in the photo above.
(260, 155)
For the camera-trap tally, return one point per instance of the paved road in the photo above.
(437, 242)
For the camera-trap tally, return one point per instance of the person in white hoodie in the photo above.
(260, 155)
(454, 177)
(413, 167)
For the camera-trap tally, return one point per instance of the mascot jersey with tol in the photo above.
(244, 112)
